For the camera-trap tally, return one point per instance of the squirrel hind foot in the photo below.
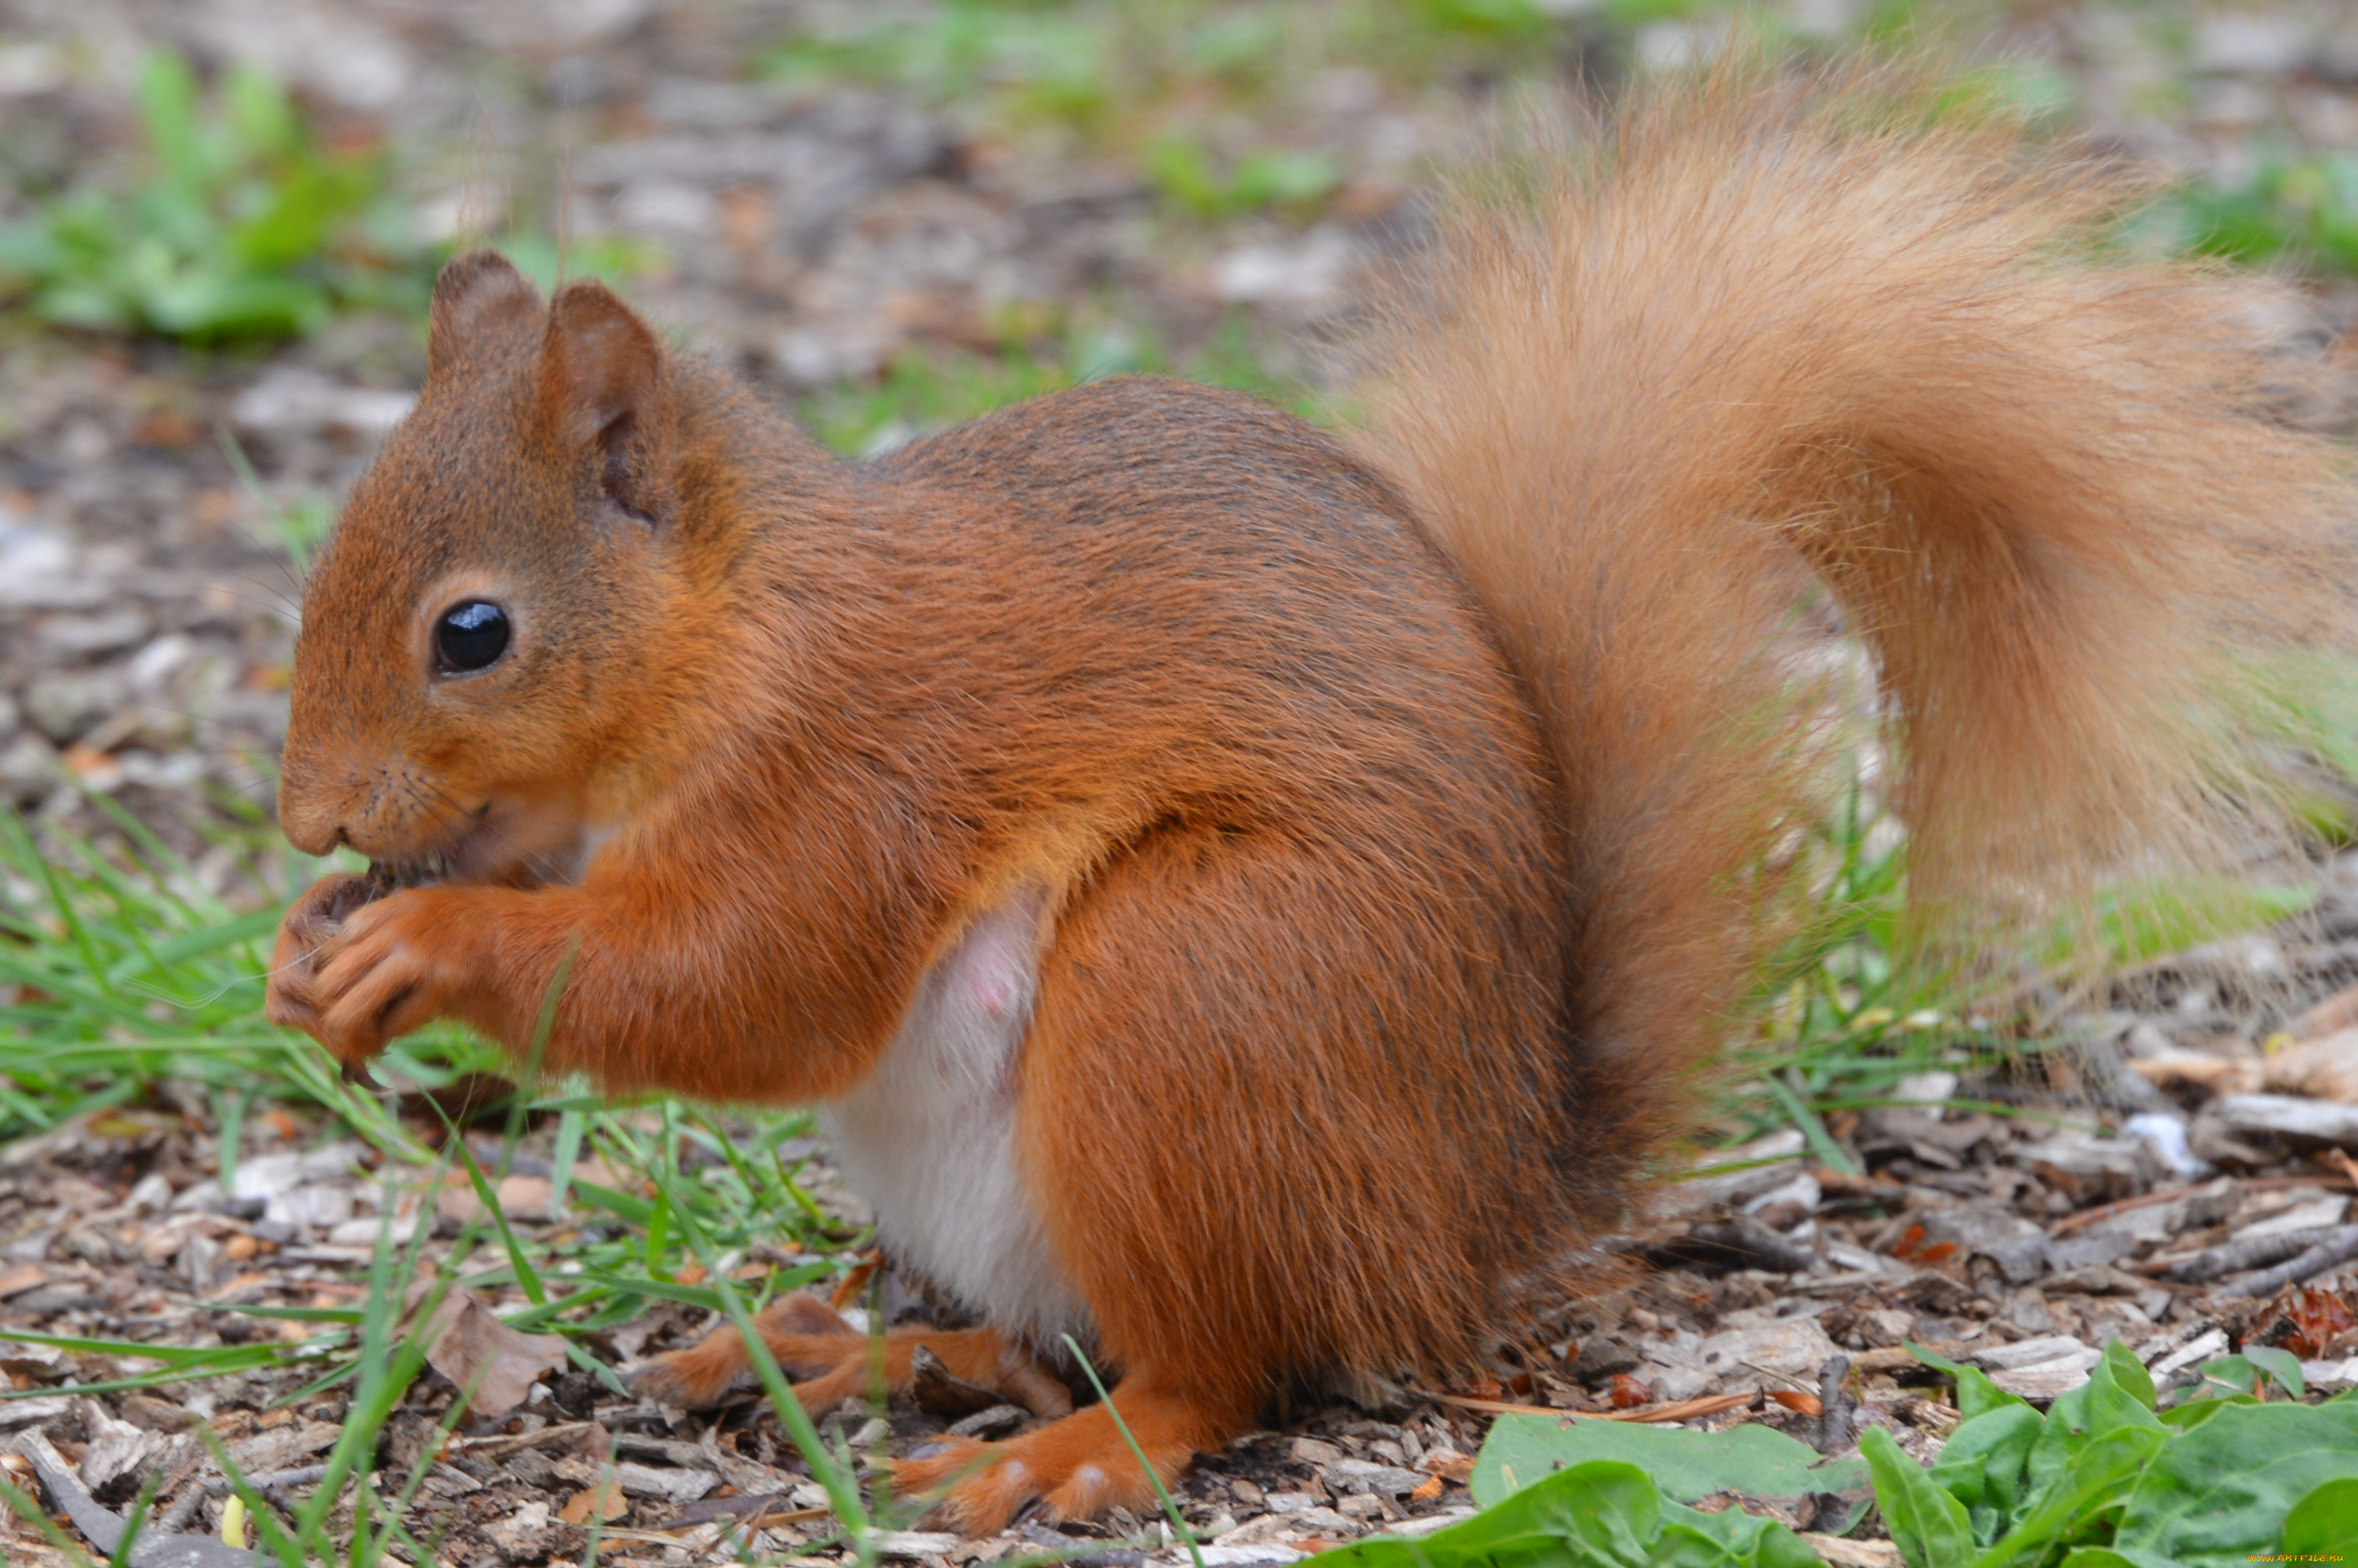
(1076, 1466)
(805, 1337)
(831, 1361)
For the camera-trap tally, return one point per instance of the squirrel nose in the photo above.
(316, 830)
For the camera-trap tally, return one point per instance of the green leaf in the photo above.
(1753, 1460)
(2226, 1374)
(1927, 1524)
(2111, 1557)
(2221, 1492)
(2085, 1416)
(2324, 1523)
(168, 112)
(2128, 1374)
(1729, 1539)
(1602, 1514)
(2281, 1365)
(2187, 1416)
(2099, 1481)
(1985, 1466)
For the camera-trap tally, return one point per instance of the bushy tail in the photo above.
(1762, 337)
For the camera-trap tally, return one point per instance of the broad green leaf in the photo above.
(1927, 1524)
(2195, 1411)
(2080, 1500)
(2281, 1365)
(1729, 1539)
(2110, 1557)
(2128, 1373)
(2221, 1492)
(1985, 1466)
(1753, 1460)
(1597, 1515)
(1594, 1515)
(2324, 1523)
(2087, 1415)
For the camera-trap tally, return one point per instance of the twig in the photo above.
(2247, 1252)
(1833, 1406)
(1679, 1410)
(2085, 1217)
(275, 1480)
(2340, 1246)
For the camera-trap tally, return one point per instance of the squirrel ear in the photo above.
(602, 371)
(478, 296)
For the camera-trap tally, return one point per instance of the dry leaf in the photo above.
(2323, 1068)
(467, 1343)
(521, 1197)
(2336, 1012)
(606, 1497)
(1629, 1392)
(2205, 1070)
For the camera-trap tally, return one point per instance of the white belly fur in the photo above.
(929, 1137)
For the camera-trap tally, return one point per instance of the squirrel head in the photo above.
(479, 627)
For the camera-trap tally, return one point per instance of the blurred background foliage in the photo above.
(233, 217)
(229, 217)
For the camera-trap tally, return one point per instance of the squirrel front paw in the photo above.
(353, 969)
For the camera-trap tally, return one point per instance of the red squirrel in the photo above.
(1256, 899)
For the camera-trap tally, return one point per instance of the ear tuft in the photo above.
(479, 296)
(602, 376)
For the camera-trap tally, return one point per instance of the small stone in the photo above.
(65, 705)
(916, 1543)
(2249, 45)
(153, 665)
(1358, 1475)
(1307, 273)
(2091, 1169)
(2313, 1215)
(662, 1481)
(1257, 1532)
(2284, 1116)
(29, 769)
(294, 402)
(116, 1448)
(91, 636)
(522, 1535)
(1794, 1349)
(1311, 1450)
(323, 1204)
(2031, 1352)
(2039, 1368)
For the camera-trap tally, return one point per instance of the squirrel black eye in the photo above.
(470, 636)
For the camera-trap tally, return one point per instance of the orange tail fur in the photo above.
(1766, 337)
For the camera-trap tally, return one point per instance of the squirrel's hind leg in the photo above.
(1077, 1467)
(830, 1361)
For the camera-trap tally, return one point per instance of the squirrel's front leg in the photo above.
(670, 986)
(354, 974)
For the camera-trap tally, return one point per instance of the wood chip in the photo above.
(1676, 1410)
